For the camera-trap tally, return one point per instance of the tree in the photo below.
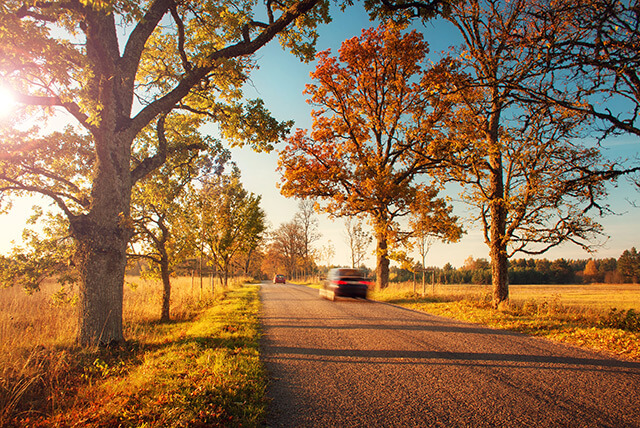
(516, 154)
(43, 255)
(590, 272)
(438, 223)
(629, 266)
(328, 252)
(114, 68)
(607, 270)
(305, 217)
(231, 218)
(357, 239)
(288, 245)
(371, 139)
(161, 233)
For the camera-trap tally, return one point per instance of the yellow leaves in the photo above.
(98, 4)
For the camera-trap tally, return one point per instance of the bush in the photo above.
(625, 320)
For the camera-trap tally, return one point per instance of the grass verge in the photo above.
(610, 331)
(200, 371)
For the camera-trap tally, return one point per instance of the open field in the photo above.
(201, 368)
(601, 317)
(593, 296)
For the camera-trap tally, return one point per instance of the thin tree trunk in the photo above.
(382, 261)
(497, 231)
(166, 290)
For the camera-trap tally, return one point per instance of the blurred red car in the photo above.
(279, 279)
(345, 282)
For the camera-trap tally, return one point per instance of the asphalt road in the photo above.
(355, 363)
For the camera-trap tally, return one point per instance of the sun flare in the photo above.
(7, 102)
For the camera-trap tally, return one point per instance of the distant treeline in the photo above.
(625, 269)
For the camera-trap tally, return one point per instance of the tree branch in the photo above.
(155, 161)
(57, 198)
(183, 55)
(243, 48)
(54, 101)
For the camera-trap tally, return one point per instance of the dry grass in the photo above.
(581, 296)
(40, 365)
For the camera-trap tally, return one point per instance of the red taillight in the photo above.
(341, 282)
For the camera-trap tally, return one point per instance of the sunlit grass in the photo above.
(576, 314)
(202, 368)
(594, 296)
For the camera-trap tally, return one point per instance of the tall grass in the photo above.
(40, 365)
(579, 296)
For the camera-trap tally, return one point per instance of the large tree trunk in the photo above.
(382, 261)
(101, 262)
(102, 235)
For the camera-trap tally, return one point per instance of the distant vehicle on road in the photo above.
(345, 282)
(279, 279)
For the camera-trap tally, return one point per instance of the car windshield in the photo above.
(350, 273)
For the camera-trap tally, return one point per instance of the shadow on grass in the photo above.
(52, 377)
(419, 299)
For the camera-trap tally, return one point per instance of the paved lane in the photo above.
(355, 363)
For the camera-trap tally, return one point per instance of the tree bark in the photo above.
(165, 273)
(102, 236)
(382, 261)
(497, 232)
(101, 262)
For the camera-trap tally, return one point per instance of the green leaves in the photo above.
(44, 254)
(231, 220)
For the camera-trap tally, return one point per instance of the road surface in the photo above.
(355, 363)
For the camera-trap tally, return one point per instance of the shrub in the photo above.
(625, 320)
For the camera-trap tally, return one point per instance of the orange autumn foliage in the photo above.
(374, 136)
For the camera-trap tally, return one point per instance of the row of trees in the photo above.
(190, 214)
(503, 115)
(290, 248)
(111, 70)
(625, 269)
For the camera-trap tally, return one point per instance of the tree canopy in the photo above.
(159, 203)
(519, 156)
(372, 138)
(231, 220)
